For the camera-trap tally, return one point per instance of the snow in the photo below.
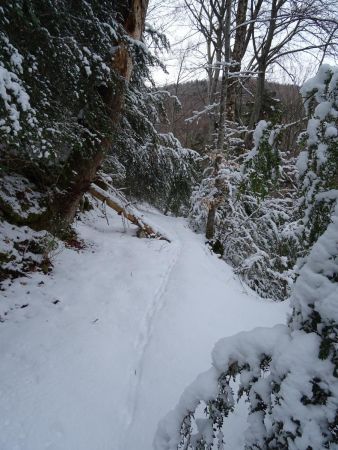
(322, 110)
(331, 131)
(96, 353)
(312, 129)
(261, 128)
(259, 131)
(321, 154)
(16, 61)
(14, 95)
(317, 85)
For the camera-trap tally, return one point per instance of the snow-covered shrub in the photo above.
(318, 163)
(255, 206)
(262, 164)
(288, 373)
(256, 242)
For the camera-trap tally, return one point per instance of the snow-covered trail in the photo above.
(94, 355)
(202, 302)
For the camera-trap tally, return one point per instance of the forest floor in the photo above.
(96, 353)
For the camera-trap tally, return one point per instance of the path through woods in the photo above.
(95, 354)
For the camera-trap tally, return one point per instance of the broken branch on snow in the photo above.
(125, 210)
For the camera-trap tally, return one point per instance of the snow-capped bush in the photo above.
(262, 164)
(318, 164)
(255, 204)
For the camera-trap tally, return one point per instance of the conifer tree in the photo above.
(65, 69)
(76, 95)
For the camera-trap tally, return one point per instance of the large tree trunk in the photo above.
(257, 106)
(237, 55)
(211, 218)
(225, 80)
(80, 169)
(219, 144)
(263, 61)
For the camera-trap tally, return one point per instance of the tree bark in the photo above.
(257, 106)
(219, 147)
(237, 55)
(259, 91)
(225, 79)
(262, 57)
(210, 226)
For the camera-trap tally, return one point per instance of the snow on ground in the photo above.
(95, 354)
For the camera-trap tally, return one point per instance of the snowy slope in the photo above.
(108, 342)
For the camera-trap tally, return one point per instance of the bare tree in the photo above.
(284, 28)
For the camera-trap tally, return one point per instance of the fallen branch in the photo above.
(113, 201)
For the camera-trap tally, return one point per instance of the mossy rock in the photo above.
(20, 202)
